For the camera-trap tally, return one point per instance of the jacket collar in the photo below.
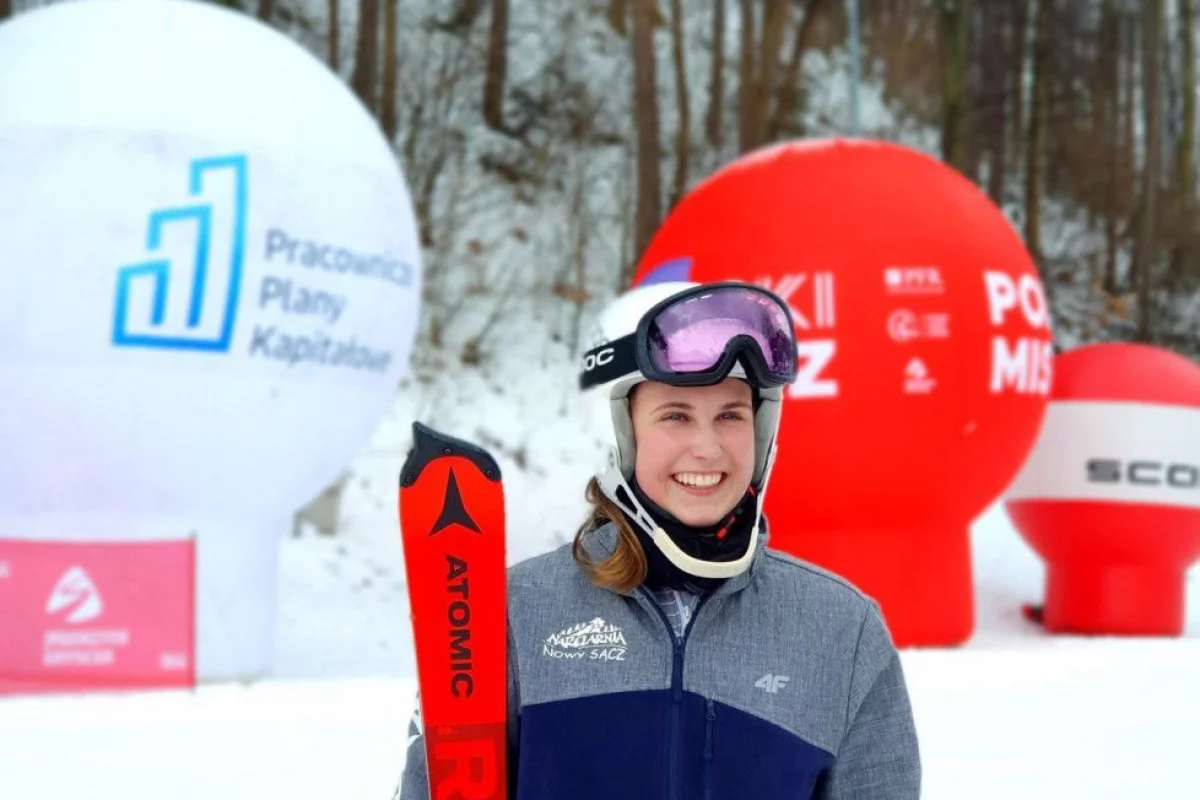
(601, 543)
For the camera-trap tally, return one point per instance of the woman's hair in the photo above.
(623, 570)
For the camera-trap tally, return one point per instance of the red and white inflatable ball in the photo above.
(1110, 496)
(925, 358)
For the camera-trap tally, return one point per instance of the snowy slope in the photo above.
(1055, 721)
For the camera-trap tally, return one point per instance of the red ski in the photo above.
(452, 528)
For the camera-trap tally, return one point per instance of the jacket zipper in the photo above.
(708, 735)
(708, 748)
(678, 646)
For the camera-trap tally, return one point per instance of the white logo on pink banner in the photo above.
(93, 616)
(75, 592)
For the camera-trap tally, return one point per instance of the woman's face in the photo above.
(695, 447)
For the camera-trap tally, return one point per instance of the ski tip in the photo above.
(430, 445)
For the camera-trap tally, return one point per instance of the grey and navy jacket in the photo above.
(785, 684)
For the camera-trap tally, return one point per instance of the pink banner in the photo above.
(85, 616)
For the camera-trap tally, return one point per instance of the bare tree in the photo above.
(1017, 74)
(789, 88)
(645, 99)
(1152, 42)
(618, 13)
(746, 73)
(775, 22)
(998, 35)
(365, 78)
(5, 8)
(1067, 170)
(1133, 51)
(266, 9)
(333, 35)
(1033, 148)
(497, 67)
(955, 25)
(1185, 158)
(683, 137)
(388, 115)
(1112, 40)
(716, 80)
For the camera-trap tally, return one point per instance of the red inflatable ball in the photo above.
(1110, 497)
(925, 358)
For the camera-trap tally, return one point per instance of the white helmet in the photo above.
(621, 322)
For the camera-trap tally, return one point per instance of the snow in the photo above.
(1054, 721)
(331, 739)
(1013, 713)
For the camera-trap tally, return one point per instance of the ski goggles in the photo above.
(696, 337)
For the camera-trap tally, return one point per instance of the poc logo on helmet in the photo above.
(1143, 473)
(597, 359)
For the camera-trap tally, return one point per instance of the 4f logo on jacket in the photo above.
(771, 684)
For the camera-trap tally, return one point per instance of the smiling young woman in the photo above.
(668, 651)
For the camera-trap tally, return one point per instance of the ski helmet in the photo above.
(688, 334)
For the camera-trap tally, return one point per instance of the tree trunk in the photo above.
(618, 13)
(1053, 134)
(716, 79)
(683, 137)
(497, 67)
(389, 117)
(1016, 89)
(1114, 57)
(1133, 51)
(266, 9)
(1185, 159)
(1101, 70)
(5, 9)
(1152, 109)
(955, 25)
(1037, 122)
(333, 34)
(775, 22)
(996, 46)
(645, 100)
(782, 122)
(971, 144)
(1056, 131)
(365, 78)
(746, 73)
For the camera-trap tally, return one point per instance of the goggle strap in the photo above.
(609, 361)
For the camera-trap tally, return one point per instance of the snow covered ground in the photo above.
(1052, 721)
(1013, 714)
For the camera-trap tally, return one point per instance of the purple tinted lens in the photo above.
(691, 335)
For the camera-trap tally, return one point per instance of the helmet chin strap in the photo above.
(616, 488)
